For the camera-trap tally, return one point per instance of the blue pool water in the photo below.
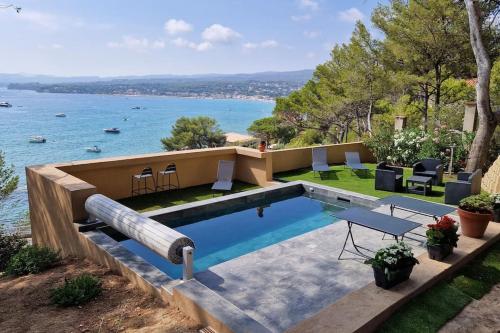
(33, 113)
(229, 236)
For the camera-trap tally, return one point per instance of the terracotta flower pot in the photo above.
(262, 146)
(473, 224)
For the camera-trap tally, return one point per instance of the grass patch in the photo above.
(429, 311)
(32, 260)
(360, 182)
(76, 291)
(153, 201)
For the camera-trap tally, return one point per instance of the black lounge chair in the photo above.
(353, 161)
(429, 167)
(388, 178)
(467, 184)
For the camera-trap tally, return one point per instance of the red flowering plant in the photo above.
(443, 232)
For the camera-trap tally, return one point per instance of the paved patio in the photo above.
(283, 284)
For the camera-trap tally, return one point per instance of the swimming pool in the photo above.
(225, 237)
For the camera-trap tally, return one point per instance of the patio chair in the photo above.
(388, 178)
(224, 176)
(353, 161)
(429, 167)
(467, 184)
(319, 160)
(147, 173)
(168, 172)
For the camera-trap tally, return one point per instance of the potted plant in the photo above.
(392, 265)
(262, 146)
(475, 214)
(442, 237)
(496, 207)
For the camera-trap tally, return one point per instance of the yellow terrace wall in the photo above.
(112, 176)
(491, 180)
(297, 158)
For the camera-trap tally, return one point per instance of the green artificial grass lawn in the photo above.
(157, 200)
(429, 311)
(343, 178)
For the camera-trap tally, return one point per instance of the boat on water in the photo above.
(113, 130)
(94, 149)
(5, 105)
(37, 139)
(61, 115)
(136, 108)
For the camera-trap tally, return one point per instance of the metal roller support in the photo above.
(161, 239)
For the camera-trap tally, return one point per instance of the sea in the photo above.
(33, 114)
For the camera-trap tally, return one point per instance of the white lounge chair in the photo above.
(224, 176)
(320, 160)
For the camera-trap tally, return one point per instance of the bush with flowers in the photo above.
(410, 145)
(443, 232)
(393, 259)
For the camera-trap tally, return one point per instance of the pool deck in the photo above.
(284, 284)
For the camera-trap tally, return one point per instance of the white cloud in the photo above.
(300, 18)
(54, 46)
(250, 46)
(270, 43)
(267, 44)
(351, 15)
(217, 33)
(310, 55)
(38, 18)
(184, 43)
(175, 27)
(309, 4)
(136, 44)
(311, 34)
(158, 44)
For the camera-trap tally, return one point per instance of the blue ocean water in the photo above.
(87, 115)
(229, 236)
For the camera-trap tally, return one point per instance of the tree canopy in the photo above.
(194, 133)
(8, 180)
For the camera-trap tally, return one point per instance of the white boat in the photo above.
(5, 105)
(113, 130)
(94, 149)
(38, 139)
(61, 115)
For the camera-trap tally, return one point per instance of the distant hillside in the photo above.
(257, 85)
(292, 76)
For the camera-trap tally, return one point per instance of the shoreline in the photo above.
(215, 97)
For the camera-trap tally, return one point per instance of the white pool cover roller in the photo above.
(161, 239)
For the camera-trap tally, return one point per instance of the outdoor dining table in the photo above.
(417, 206)
(384, 223)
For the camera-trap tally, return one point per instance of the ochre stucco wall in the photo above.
(297, 158)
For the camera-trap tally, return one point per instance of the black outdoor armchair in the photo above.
(467, 184)
(429, 167)
(388, 178)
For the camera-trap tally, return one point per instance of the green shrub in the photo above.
(77, 291)
(32, 260)
(10, 244)
(479, 203)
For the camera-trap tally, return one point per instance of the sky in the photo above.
(121, 37)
